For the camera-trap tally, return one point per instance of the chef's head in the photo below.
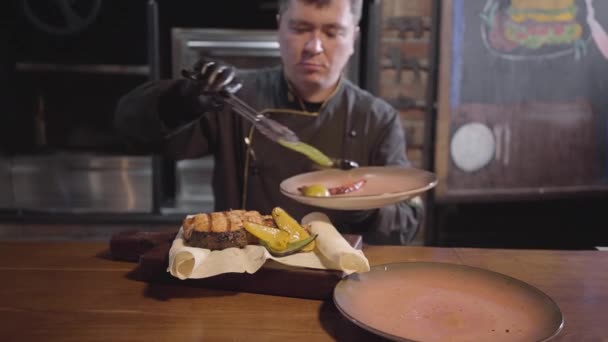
(317, 38)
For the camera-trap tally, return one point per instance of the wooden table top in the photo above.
(72, 291)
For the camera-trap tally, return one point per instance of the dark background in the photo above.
(78, 106)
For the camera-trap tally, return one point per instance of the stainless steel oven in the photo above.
(59, 152)
(72, 182)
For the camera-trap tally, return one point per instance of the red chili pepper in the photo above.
(346, 188)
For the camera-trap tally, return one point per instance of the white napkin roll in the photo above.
(333, 245)
(185, 262)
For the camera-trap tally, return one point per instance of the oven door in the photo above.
(245, 49)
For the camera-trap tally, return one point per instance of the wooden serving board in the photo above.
(151, 252)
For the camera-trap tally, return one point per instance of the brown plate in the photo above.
(429, 301)
(384, 186)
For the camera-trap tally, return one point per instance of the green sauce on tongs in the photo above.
(309, 151)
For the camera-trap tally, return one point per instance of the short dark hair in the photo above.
(355, 6)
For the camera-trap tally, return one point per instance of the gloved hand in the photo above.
(216, 77)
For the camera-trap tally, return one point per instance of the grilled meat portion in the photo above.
(220, 230)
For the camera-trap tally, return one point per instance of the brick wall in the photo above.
(404, 60)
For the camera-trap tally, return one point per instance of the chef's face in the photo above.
(316, 42)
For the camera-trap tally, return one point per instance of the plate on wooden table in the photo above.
(431, 301)
(383, 185)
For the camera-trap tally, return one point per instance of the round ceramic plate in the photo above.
(430, 301)
(383, 186)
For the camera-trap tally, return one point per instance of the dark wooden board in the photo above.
(151, 252)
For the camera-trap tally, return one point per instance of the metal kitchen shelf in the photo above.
(115, 69)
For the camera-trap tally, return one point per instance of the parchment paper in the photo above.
(332, 252)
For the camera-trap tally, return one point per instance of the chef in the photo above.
(184, 118)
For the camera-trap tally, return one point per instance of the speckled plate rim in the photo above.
(381, 333)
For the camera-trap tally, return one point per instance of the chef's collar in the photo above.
(311, 108)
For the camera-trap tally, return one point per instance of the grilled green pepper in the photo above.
(309, 151)
(292, 247)
(275, 238)
(287, 223)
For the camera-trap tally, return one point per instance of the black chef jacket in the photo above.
(168, 116)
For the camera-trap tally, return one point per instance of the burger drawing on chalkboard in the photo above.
(529, 29)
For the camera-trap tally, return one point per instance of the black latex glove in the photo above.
(216, 77)
(207, 83)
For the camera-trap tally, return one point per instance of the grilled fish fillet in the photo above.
(220, 230)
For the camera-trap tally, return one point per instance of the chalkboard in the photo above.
(523, 98)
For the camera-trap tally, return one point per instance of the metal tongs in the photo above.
(268, 127)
